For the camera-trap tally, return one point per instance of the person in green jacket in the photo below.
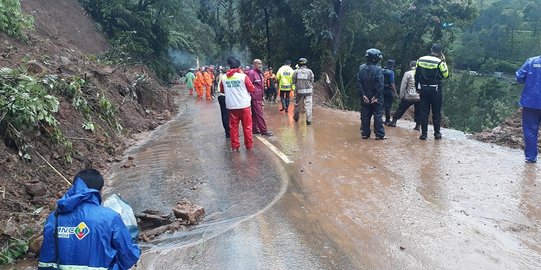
(190, 77)
(284, 76)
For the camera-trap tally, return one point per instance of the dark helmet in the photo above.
(302, 61)
(373, 55)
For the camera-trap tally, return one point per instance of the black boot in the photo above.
(417, 127)
(392, 123)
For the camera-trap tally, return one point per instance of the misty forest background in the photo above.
(492, 38)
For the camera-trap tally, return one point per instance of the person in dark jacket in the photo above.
(370, 88)
(82, 234)
(389, 89)
(429, 73)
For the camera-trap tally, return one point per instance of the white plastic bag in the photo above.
(126, 213)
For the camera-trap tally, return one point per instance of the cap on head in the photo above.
(390, 63)
(91, 177)
(302, 61)
(287, 62)
(436, 48)
(413, 64)
(233, 62)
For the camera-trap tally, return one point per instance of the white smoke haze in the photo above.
(182, 59)
(243, 55)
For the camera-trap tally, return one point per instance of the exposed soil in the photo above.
(509, 133)
(60, 46)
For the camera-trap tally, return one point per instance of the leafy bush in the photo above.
(12, 20)
(12, 250)
(473, 103)
(25, 106)
(492, 65)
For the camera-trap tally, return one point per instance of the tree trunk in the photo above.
(267, 34)
(329, 59)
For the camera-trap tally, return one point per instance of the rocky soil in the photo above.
(64, 45)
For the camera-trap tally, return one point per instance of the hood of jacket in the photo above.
(231, 72)
(79, 193)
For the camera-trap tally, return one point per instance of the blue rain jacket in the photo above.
(89, 236)
(530, 75)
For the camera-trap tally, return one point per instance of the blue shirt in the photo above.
(530, 75)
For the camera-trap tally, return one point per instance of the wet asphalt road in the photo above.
(345, 203)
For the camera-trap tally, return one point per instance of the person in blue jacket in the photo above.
(530, 101)
(370, 88)
(81, 234)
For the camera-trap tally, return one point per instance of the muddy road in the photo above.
(343, 202)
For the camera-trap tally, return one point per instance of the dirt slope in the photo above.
(66, 21)
(60, 45)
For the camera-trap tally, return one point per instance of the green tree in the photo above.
(12, 21)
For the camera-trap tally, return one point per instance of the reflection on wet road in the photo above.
(345, 203)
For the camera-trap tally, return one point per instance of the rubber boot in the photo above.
(417, 127)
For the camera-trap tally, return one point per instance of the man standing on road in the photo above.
(82, 234)
(370, 87)
(208, 78)
(223, 109)
(389, 89)
(303, 78)
(190, 77)
(199, 83)
(530, 101)
(408, 96)
(430, 71)
(270, 85)
(256, 77)
(236, 87)
(285, 83)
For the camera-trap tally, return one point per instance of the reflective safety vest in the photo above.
(236, 93)
(430, 70)
(285, 78)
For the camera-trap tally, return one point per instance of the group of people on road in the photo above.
(421, 86)
(202, 81)
(243, 92)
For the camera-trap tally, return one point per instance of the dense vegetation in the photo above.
(168, 35)
(333, 34)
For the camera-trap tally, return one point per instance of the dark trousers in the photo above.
(431, 99)
(367, 111)
(284, 98)
(271, 94)
(404, 106)
(388, 103)
(225, 115)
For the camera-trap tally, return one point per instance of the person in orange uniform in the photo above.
(199, 83)
(208, 78)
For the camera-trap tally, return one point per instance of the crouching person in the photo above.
(82, 234)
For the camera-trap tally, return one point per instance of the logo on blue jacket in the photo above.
(80, 231)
